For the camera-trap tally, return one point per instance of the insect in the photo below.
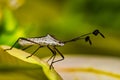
(51, 43)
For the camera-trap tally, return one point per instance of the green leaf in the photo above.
(15, 60)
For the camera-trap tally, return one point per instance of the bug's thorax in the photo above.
(46, 40)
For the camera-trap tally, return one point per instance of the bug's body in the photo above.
(43, 41)
(50, 42)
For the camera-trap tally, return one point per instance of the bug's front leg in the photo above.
(55, 51)
(62, 57)
(52, 57)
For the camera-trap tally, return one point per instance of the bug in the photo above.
(51, 43)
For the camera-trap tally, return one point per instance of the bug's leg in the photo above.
(34, 51)
(62, 57)
(13, 44)
(52, 57)
(22, 39)
(27, 47)
(51, 65)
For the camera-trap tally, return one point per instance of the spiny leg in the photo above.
(52, 57)
(34, 51)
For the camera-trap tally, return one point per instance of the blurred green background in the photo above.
(65, 19)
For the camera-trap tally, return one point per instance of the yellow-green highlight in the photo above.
(9, 20)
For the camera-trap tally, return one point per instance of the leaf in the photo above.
(16, 56)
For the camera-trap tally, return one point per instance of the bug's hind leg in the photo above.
(13, 44)
(21, 39)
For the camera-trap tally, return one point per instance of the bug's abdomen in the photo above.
(41, 41)
(32, 41)
(25, 42)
